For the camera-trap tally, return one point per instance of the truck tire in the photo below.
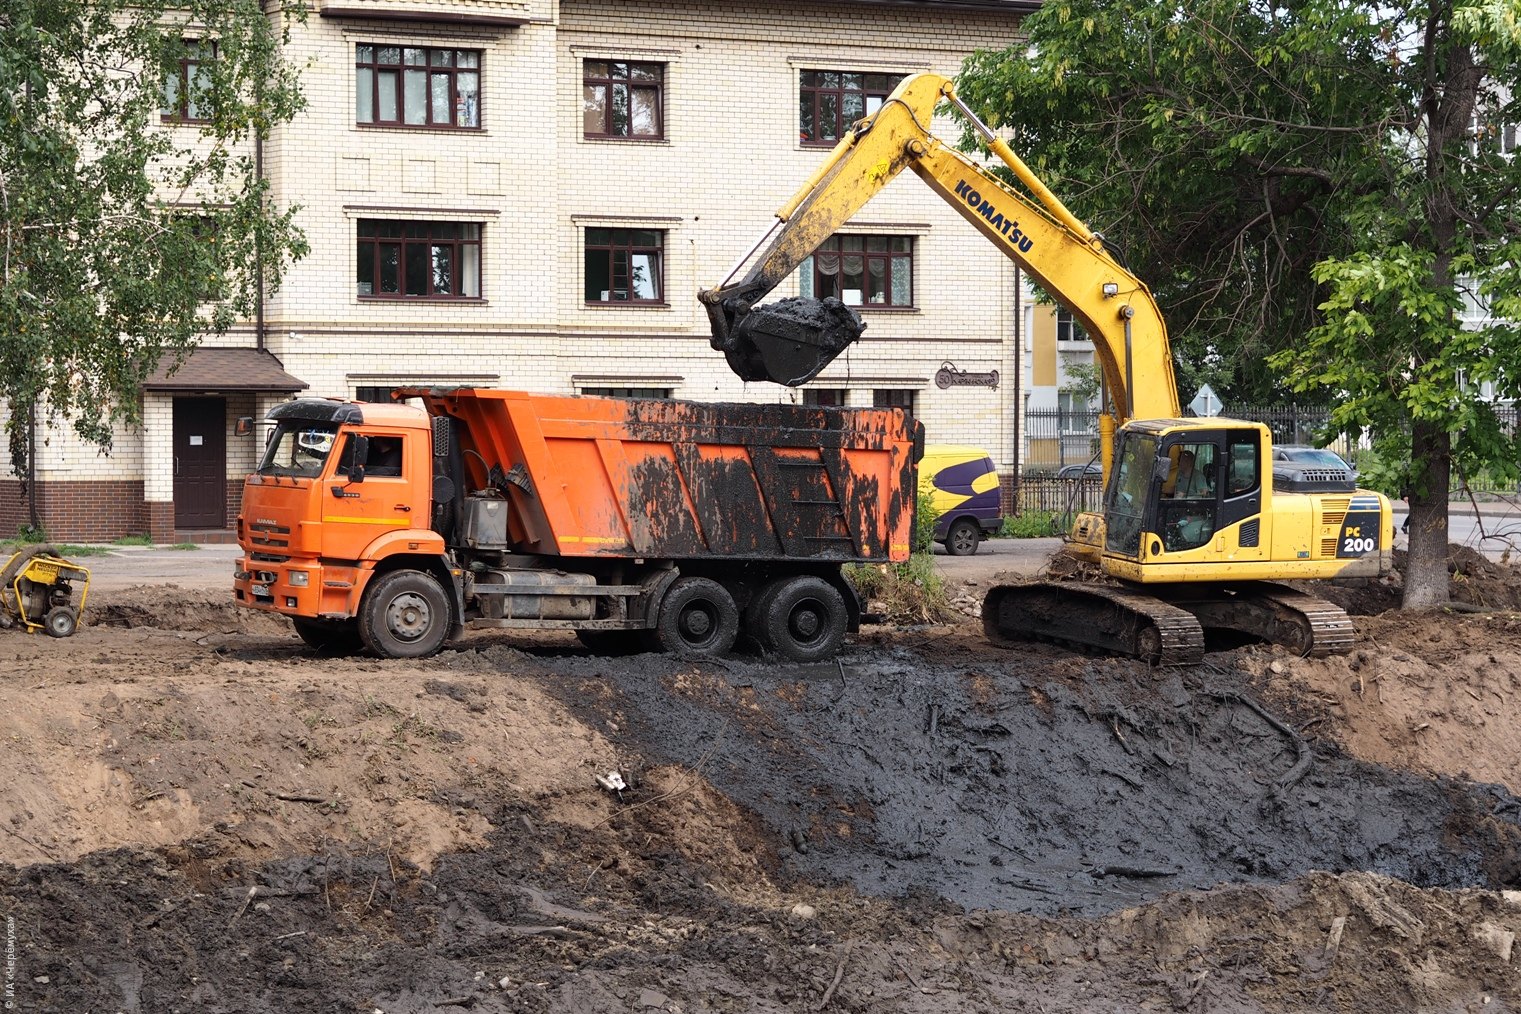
(802, 619)
(698, 619)
(329, 636)
(405, 614)
(961, 538)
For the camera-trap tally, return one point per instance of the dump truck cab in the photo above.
(342, 488)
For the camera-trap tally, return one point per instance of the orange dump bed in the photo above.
(686, 480)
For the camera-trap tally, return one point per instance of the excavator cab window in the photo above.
(1188, 507)
(1129, 492)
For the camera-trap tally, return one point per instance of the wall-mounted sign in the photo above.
(949, 376)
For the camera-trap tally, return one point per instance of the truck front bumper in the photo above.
(295, 587)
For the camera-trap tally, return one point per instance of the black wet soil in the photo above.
(994, 790)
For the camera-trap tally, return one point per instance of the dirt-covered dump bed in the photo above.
(688, 480)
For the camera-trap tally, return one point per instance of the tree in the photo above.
(133, 220)
(1312, 191)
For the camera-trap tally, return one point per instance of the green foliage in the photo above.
(926, 517)
(185, 546)
(1314, 192)
(66, 550)
(134, 540)
(911, 592)
(1030, 525)
(914, 591)
(1083, 381)
(125, 238)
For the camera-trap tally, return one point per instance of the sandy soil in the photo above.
(200, 814)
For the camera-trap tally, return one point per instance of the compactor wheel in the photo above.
(61, 621)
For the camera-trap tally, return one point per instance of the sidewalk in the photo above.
(207, 567)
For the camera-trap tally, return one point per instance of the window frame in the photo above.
(458, 244)
(630, 249)
(1067, 327)
(632, 391)
(811, 272)
(826, 397)
(192, 54)
(611, 82)
(454, 69)
(906, 398)
(810, 93)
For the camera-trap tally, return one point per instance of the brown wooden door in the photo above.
(200, 462)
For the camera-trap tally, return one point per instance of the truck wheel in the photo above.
(61, 621)
(405, 615)
(962, 538)
(698, 618)
(332, 637)
(803, 619)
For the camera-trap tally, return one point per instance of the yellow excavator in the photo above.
(1199, 521)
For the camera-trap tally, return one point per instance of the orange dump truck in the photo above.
(667, 525)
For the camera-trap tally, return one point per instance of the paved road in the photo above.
(208, 567)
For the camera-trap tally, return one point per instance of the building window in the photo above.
(894, 397)
(419, 260)
(861, 271)
(829, 101)
(1068, 329)
(622, 99)
(825, 397)
(628, 392)
(417, 87)
(624, 265)
(186, 80)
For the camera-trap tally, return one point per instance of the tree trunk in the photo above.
(1426, 580)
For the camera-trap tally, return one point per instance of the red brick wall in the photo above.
(96, 511)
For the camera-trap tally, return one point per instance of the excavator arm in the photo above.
(792, 341)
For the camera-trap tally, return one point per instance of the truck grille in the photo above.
(265, 535)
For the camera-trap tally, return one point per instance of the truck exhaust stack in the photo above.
(788, 342)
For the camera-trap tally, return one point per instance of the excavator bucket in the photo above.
(790, 341)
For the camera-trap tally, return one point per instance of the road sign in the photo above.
(1206, 402)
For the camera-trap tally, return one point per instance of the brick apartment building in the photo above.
(530, 194)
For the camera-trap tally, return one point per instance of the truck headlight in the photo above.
(298, 578)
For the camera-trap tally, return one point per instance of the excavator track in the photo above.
(1107, 617)
(1303, 623)
(1164, 626)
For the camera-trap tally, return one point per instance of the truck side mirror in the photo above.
(1161, 469)
(243, 427)
(359, 446)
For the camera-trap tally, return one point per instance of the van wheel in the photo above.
(405, 615)
(698, 619)
(962, 538)
(331, 636)
(803, 619)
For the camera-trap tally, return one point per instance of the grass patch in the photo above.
(910, 592)
(64, 549)
(1031, 525)
(134, 540)
(185, 545)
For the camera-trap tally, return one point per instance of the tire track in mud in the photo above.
(994, 785)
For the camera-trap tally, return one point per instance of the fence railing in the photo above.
(1058, 443)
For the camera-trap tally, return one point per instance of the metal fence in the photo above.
(1058, 443)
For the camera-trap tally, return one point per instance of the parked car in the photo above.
(963, 486)
(1299, 468)
(1091, 469)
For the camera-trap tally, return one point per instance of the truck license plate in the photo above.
(260, 589)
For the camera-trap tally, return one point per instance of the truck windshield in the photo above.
(298, 447)
(1125, 507)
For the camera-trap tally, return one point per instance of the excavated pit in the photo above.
(929, 824)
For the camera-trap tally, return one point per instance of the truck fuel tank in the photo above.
(532, 594)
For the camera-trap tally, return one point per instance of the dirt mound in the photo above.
(1433, 692)
(167, 608)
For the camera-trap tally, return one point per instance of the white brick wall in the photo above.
(729, 158)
